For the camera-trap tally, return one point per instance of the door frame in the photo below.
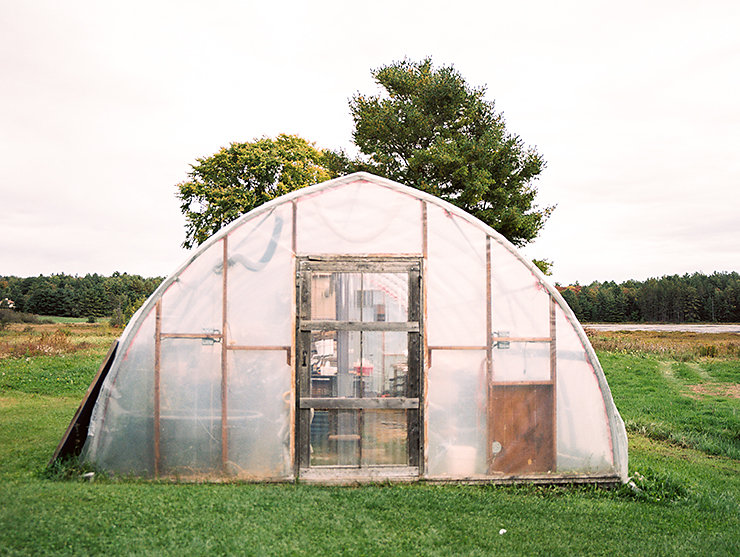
(413, 401)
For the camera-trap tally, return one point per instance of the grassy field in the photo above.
(57, 319)
(682, 412)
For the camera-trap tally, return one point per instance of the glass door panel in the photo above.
(385, 437)
(358, 369)
(335, 359)
(385, 297)
(335, 438)
(385, 358)
(334, 296)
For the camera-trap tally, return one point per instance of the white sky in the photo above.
(103, 106)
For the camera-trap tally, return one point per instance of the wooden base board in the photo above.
(350, 476)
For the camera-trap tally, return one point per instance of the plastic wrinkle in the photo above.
(479, 255)
(262, 262)
(357, 238)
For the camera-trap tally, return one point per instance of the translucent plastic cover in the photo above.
(190, 416)
(456, 281)
(521, 361)
(456, 413)
(359, 217)
(584, 440)
(259, 414)
(453, 377)
(520, 302)
(192, 303)
(120, 438)
(260, 281)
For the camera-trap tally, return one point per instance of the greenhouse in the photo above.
(354, 330)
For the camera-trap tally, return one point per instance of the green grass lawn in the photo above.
(683, 456)
(689, 404)
(58, 319)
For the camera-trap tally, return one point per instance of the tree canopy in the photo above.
(429, 129)
(669, 299)
(242, 176)
(73, 296)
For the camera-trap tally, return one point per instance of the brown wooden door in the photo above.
(522, 428)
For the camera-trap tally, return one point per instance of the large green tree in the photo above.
(431, 130)
(242, 176)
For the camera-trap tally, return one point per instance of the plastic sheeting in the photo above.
(357, 219)
(259, 399)
(120, 434)
(186, 398)
(456, 410)
(584, 440)
(260, 281)
(456, 281)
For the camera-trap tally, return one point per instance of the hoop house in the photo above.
(356, 330)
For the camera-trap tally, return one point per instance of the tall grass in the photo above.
(667, 344)
(23, 341)
(52, 359)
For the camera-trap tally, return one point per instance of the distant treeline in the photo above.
(74, 296)
(671, 299)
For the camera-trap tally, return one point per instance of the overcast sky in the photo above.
(635, 106)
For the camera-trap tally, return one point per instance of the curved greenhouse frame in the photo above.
(357, 330)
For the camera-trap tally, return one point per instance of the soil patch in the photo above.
(715, 389)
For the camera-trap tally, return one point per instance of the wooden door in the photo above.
(358, 363)
(523, 429)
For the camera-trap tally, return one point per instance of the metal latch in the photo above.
(211, 340)
(502, 344)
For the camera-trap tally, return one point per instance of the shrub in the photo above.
(8, 316)
(117, 320)
(132, 308)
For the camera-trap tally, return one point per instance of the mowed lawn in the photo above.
(682, 414)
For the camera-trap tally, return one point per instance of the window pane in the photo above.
(384, 437)
(335, 364)
(335, 439)
(334, 296)
(359, 296)
(385, 297)
(384, 363)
